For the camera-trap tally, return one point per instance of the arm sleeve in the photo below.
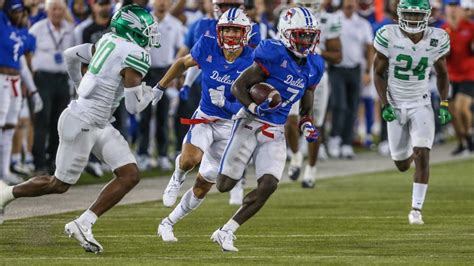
(137, 61)
(137, 98)
(232, 107)
(26, 76)
(73, 58)
(445, 46)
(191, 75)
(381, 41)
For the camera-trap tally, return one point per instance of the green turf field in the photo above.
(349, 220)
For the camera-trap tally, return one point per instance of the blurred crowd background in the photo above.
(156, 134)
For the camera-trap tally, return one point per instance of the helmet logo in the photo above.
(289, 14)
(133, 19)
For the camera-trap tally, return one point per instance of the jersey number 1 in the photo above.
(100, 56)
(418, 71)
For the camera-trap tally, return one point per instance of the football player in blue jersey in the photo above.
(293, 68)
(15, 45)
(207, 27)
(221, 59)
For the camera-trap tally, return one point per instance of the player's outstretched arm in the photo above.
(176, 70)
(251, 76)
(333, 53)
(380, 79)
(137, 94)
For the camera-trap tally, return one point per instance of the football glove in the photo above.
(184, 93)
(217, 97)
(388, 113)
(444, 115)
(263, 108)
(158, 92)
(310, 132)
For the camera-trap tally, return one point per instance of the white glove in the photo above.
(217, 97)
(37, 101)
(158, 92)
(318, 50)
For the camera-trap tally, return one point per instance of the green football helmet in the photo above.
(136, 24)
(413, 15)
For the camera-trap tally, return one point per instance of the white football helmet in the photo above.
(221, 6)
(233, 18)
(312, 5)
(299, 31)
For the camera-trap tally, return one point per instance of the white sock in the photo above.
(16, 157)
(188, 203)
(28, 157)
(7, 142)
(296, 159)
(310, 173)
(88, 218)
(418, 196)
(231, 225)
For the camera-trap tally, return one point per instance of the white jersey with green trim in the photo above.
(101, 88)
(330, 27)
(409, 63)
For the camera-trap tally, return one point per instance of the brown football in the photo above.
(262, 91)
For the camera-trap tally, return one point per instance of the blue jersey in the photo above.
(15, 43)
(217, 73)
(285, 75)
(207, 27)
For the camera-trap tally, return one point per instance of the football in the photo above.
(262, 91)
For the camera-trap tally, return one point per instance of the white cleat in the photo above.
(415, 217)
(237, 194)
(294, 169)
(225, 239)
(164, 163)
(165, 230)
(347, 152)
(322, 154)
(84, 236)
(171, 192)
(4, 199)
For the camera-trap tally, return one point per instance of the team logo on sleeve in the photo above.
(434, 42)
(284, 64)
(209, 58)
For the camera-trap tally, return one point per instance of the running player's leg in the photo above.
(292, 134)
(320, 103)
(208, 171)
(422, 130)
(399, 141)
(196, 142)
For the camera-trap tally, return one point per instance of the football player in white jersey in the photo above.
(117, 64)
(330, 50)
(406, 52)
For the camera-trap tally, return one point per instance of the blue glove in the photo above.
(184, 93)
(310, 132)
(263, 109)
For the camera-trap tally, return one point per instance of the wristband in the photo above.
(444, 103)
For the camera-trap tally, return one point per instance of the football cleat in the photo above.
(165, 230)
(309, 177)
(171, 192)
(294, 169)
(172, 189)
(3, 199)
(322, 154)
(94, 169)
(225, 239)
(84, 236)
(164, 163)
(237, 194)
(415, 217)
